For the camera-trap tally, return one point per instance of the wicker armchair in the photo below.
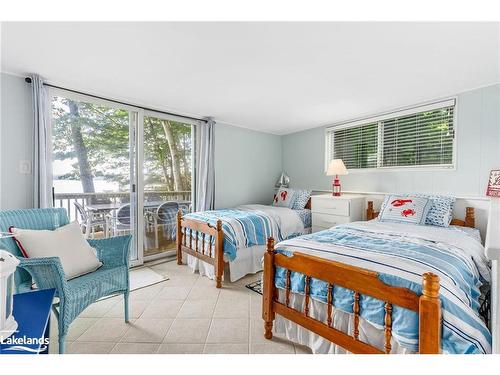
(75, 294)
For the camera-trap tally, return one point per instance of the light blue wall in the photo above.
(15, 142)
(247, 165)
(478, 151)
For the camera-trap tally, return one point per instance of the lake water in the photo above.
(75, 186)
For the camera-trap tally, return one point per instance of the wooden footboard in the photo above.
(195, 238)
(361, 282)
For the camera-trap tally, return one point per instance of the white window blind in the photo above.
(418, 137)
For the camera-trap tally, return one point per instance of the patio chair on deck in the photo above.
(89, 221)
(119, 221)
(165, 217)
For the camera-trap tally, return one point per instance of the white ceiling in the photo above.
(274, 77)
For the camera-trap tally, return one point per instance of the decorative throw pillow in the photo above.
(441, 211)
(284, 198)
(301, 199)
(67, 242)
(405, 209)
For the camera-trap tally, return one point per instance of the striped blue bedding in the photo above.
(401, 253)
(251, 225)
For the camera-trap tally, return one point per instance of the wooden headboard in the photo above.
(469, 221)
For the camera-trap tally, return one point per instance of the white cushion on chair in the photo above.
(67, 242)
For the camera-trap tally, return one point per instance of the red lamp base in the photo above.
(336, 191)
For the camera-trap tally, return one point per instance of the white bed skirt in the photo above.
(248, 261)
(342, 321)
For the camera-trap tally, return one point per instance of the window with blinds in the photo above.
(418, 137)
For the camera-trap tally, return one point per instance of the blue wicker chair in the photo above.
(76, 294)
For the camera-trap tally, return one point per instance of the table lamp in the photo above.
(336, 168)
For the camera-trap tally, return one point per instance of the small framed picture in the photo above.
(494, 184)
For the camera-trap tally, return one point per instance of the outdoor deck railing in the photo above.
(66, 200)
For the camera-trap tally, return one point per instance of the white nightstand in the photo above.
(328, 210)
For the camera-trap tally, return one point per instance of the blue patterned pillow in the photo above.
(301, 198)
(405, 209)
(441, 211)
(305, 217)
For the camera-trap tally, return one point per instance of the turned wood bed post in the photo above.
(369, 211)
(269, 288)
(470, 217)
(219, 254)
(430, 315)
(179, 237)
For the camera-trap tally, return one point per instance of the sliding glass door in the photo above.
(121, 170)
(93, 164)
(166, 179)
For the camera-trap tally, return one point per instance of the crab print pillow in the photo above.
(405, 209)
(284, 198)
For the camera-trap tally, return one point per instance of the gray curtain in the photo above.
(205, 176)
(42, 145)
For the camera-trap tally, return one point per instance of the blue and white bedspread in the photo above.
(251, 225)
(401, 253)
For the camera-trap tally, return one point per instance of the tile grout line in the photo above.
(211, 323)
(175, 318)
(249, 317)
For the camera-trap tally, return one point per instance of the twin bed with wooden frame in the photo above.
(360, 281)
(205, 242)
(201, 233)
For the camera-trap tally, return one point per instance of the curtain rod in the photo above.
(28, 80)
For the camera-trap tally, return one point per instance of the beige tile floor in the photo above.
(185, 314)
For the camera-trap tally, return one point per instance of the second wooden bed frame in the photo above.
(193, 234)
(361, 282)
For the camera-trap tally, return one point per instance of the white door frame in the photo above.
(137, 189)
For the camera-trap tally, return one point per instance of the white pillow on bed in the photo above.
(405, 209)
(67, 242)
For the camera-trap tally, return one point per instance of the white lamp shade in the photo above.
(336, 167)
